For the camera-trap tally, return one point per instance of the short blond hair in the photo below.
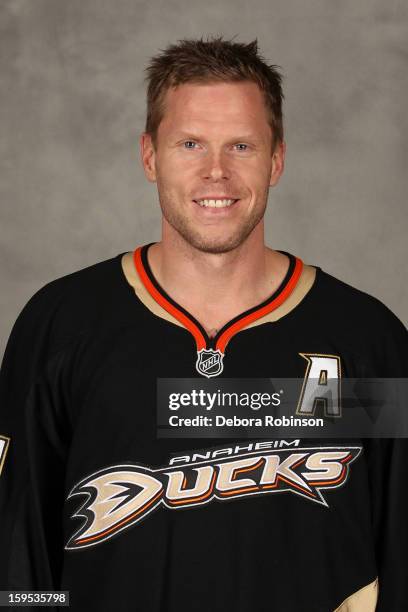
(212, 60)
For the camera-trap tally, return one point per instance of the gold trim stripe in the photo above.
(363, 600)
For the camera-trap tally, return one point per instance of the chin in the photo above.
(214, 245)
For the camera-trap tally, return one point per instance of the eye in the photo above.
(242, 146)
(187, 144)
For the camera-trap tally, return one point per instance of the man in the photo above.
(93, 501)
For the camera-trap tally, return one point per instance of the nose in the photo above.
(216, 167)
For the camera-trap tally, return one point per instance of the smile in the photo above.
(216, 203)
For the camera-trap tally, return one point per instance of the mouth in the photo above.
(216, 202)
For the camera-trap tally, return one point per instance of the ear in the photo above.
(278, 163)
(148, 156)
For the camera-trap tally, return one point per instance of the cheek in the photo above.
(173, 184)
(255, 179)
(175, 167)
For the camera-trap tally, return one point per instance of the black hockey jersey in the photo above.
(92, 501)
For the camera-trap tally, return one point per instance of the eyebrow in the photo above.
(239, 138)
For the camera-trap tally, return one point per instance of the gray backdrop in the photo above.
(72, 187)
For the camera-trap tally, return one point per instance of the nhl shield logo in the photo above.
(209, 362)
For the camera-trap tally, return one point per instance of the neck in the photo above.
(217, 286)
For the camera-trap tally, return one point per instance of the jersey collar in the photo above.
(224, 335)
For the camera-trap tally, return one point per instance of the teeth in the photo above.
(215, 203)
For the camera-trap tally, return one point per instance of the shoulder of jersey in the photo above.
(353, 309)
(69, 304)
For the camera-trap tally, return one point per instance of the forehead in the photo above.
(214, 105)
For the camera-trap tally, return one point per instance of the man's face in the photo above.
(213, 143)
